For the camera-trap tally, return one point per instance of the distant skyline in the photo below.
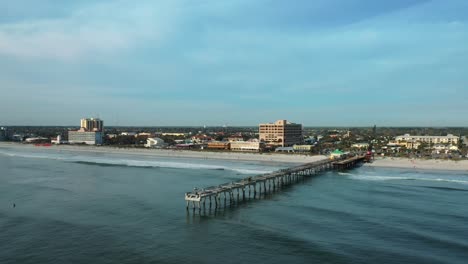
(242, 62)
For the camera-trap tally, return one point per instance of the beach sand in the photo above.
(241, 156)
(420, 164)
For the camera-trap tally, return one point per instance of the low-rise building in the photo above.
(145, 134)
(155, 143)
(444, 147)
(361, 145)
(449, 139)
(235, 138)
(58, 140)
(85, 137)
(36, 140)
(173, 134)
(251, 146)
(128, 134)
(303, 148)
(201, 139)
(219, 145)
(336, 154)
(284, 149)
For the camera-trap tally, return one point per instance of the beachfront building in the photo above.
(281, 133)
(85, 137)
(249, 146)
(58, 140)
(445, 147)
(91, 132)
(303, 148)
(92, 124)
(155, 143)
(219, 145)
(449, 139)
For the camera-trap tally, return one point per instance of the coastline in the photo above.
(230, 156)
(420, 164)
(387, 162)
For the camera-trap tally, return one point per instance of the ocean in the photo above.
(83, 207)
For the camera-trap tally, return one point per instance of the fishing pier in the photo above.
(233, 193)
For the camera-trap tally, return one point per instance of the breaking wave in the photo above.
(408, 178)
(120, 162)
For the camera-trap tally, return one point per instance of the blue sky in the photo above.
(236, 62)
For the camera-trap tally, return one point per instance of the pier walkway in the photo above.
(239, 191)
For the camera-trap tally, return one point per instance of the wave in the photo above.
(405, 178)
(166, 164)
(119, 162)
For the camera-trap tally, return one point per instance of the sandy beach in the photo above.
(264, 157)
(420, 164)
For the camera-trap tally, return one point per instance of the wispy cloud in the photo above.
(261, 59)
(99, 29)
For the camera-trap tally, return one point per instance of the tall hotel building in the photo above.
(92, 124)
(90, 133)
(281, 133)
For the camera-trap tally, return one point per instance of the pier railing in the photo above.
(239, 191)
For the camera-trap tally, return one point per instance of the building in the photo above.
(303, 148)
(36, 140)
(281, 133)
(235, 138)
(201, 139)
(173, 134)
(441, 147)
(219, 145)
(250, 146)
(92, 124)
(85, 137)
(360, 145)
(336, 154)
(133, 134)
(3, 134)
(155, 143)
(449, 139)
(58, 140)
(91, 132)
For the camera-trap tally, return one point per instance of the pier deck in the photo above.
(241, 190)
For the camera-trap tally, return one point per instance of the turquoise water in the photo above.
(76, 207)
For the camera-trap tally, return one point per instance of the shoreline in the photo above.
(274, 158)
(166, 153)
(420, 164)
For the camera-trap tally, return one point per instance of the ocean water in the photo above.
(77, 207)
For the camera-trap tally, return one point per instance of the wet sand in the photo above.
(422, 164)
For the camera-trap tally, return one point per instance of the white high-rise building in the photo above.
(91, 132)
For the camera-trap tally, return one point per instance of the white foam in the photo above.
(394, 178)
(136, 163)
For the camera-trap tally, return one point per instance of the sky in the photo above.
(234, 62)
